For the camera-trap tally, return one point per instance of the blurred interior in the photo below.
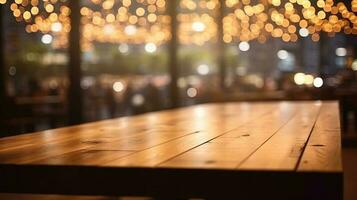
(65, 62)
(139, 56)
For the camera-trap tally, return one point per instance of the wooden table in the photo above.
(285, 150)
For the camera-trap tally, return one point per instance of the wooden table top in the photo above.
(240, 138)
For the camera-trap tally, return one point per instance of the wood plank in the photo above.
(234, 146)
(201, 120)
(135, 133)
(123, 126)
(284, 149)
(26, 155)
(116, 126)
(206, 130)
(323, 150)
(76, 138)
(84, 157)
(53, 143)
(203, 144)
(96, 140)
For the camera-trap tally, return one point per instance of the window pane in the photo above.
(36, 64)
(197, 53)
(125, 57)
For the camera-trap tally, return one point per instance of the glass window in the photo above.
(36, 41)
(197, 53)
(125, 57)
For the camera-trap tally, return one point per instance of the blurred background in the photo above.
(66, 62)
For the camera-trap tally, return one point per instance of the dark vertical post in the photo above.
(173, 61)
(75, 109)
(323, 46)
(221, 45)
(354, 42)
(2, 71)
(301, 60)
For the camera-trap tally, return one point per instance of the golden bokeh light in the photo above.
(147, 21)
(282, 19)
(129, 22)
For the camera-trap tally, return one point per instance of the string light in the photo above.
(50, 17)
(147, 22)
(281, 19)
(197, 23)
(143, 21)
(126, 21)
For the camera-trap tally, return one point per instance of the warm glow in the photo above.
(123, 48)
(146, 22)
(150, 48)
(283, 54)
(244, 46)
(354, 65)
(198, 26)
(318, 82)
(118, 86)
(47, 39)
(299, 78)
(203, 69)
(192, 92)
(341, 52)
(56, 27)
(309, 79)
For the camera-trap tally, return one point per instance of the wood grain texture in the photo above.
(207, 128)
(323, 151)
(231, 148)
(129, 134)
(241, 146)
(283, 150)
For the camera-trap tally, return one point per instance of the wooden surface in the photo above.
(212, 150)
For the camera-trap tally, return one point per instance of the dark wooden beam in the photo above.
(2, 70)
(75, 109)
(322, 52)
(221, 46)
(173, 61)
(188, 182)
